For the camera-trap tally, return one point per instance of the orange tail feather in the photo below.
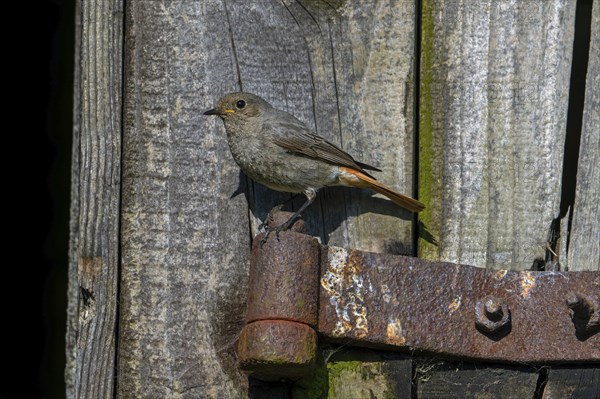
(353, 178)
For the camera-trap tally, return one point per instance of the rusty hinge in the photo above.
(300, 290)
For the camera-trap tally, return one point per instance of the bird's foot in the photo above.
(276, 229)
(265, 225)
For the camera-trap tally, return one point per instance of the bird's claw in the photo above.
(277, 230)
(265, 225)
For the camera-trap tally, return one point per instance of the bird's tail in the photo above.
(353, 178)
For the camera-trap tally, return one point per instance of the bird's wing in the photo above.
(295, 137)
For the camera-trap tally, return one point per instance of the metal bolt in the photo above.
(586, 313)
(493, 309)
(582, 307)
(491, 315)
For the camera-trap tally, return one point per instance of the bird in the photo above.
(277, 150)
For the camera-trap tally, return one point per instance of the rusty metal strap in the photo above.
(391, 301)
(300, 291)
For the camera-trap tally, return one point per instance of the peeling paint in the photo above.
(386, 294)
(455, 304)
(394, 333)
(500, 274)
(346, 288)
(361, 323)
(527, 283)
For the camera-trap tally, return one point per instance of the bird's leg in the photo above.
(310, 194)
(263, 225)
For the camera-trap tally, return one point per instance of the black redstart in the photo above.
(275, 149)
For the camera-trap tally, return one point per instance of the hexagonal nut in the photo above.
(492, 315)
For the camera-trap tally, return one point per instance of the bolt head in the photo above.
(492, 315)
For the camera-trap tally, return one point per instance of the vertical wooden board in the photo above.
(572, 383)
(373, 56)
(494, 96)
(271, 61)
(185, 242)
(584, 245)
(95, 193)
(450, 380)
(493, 107)
(346, 70)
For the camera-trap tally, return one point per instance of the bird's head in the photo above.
(239, 106)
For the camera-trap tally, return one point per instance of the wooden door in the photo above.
(466, 104)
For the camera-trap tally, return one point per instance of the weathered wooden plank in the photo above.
(345, 69)
(373, 54)
(271, 61)
(355, 86)
(185, 243)
(437, 381)
(494, 99)
(493, 107)
(368, 374)
(584, 245)
(95, 192)
(573, 383)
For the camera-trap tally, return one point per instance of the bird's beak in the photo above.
(212, 112)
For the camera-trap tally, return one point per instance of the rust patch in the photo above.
(455, 304)
(394, 333)
(283, 281)
(527, 283)
(500, 274)
(346, 288)
(413, 304)
(89, 269)
(274, 349)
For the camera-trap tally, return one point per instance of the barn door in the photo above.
(487, 111)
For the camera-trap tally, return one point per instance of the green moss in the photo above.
(426, 155)
(313, 386)
(336, 369)
(361, 379)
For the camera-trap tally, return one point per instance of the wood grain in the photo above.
(574, 382)
(494, 99)
(493, 108)
(95, 193)
(344, 69)
(437, 381)
(584, 244)
(185, 242)
(158, 191)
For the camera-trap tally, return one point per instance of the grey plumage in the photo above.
(277, 150)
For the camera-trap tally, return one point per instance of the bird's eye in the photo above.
(240, 104)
